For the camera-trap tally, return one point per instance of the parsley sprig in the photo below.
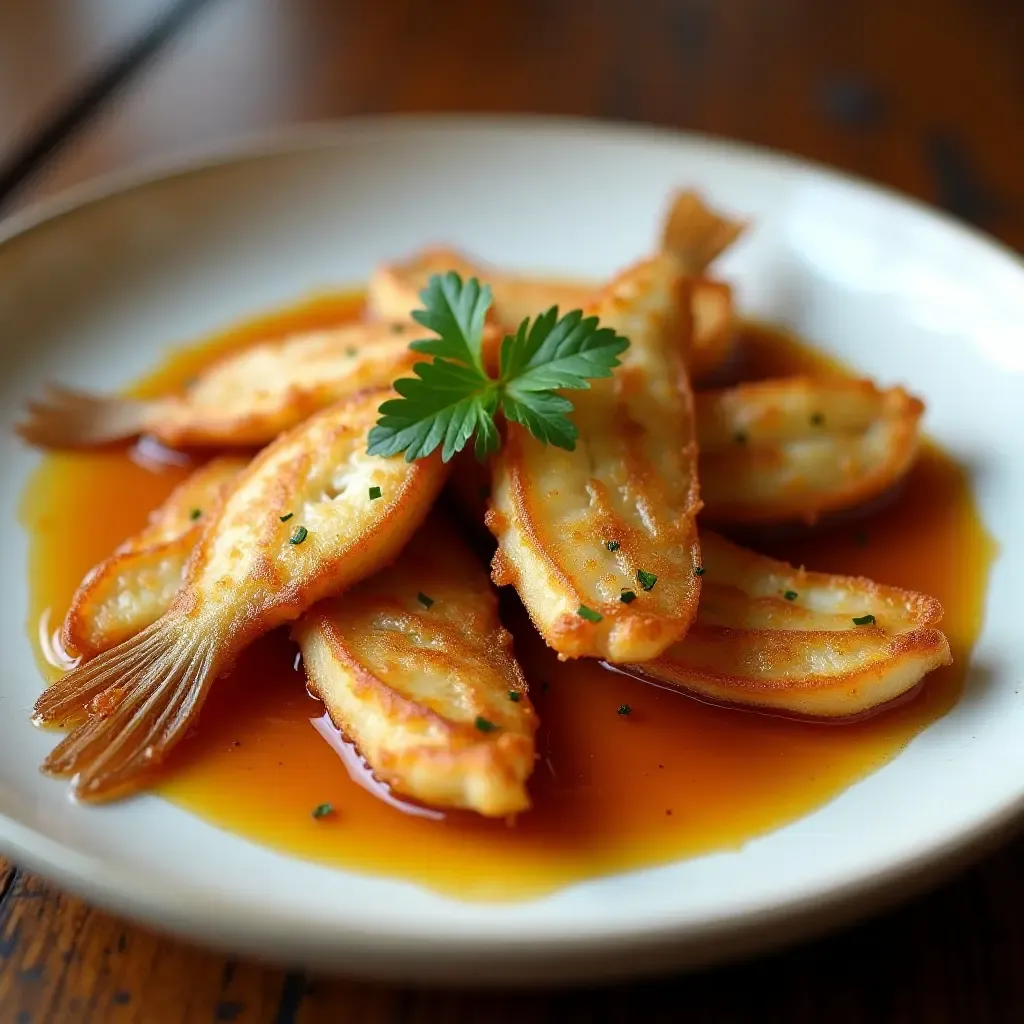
(454, 398)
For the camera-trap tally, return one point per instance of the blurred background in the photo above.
(925, 96)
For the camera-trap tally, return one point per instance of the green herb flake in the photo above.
(589, 614)
(424, 599)
(646, 579)
(864, 620)
(699, 570)
(375, 493)
(195, 514)
(612, 545)
(627, 596)
(323, 811)
(350, 351)
(300, 534)
(860, 538)
(454, 398)
(484, 725)
(286, 517)
(740, 437)
(398, 328)
(790, 595)
(817, 419)
(625, 709)
(515, 696)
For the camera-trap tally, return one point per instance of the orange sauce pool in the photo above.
(673, 779)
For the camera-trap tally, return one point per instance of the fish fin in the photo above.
(128, 707)
(64, 418)
(695, 234)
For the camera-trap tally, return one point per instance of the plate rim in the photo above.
(194, 912)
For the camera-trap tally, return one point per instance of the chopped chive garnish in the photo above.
(625, 709)
(285, 518)
(195, 514)
(514, 696)
(817, 419)
(612, 545)
(699, 570)
(740, 437)
(646, 579)
(424, 600)
(374, 493)
(483, 725)
(627, 596)
(300, 534)
(588, 613)
(323, 811)
(864, 620)
(790, 595)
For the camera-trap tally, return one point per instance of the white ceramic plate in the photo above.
(94, 286)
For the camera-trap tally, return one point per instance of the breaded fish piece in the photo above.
(245, 398)
(311, 515)
(394, 288)
(601, 542)
(132, 588)
(795, 448)
(416, 669)
(771, 636)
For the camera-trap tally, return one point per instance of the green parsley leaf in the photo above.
(300, 534)
(286, 517)
(323, 811)
(452, 399)
(864, 620)
(627, 596)
(589, 614)
(514, 696)
(612, 545)
(195, 514)
(375, 493)
(424, 600)
(646, 579)
(699, 570)
(817, 419)
(483, 725)
(625, 709)
(790, 595)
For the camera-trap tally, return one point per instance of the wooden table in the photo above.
(927, 97)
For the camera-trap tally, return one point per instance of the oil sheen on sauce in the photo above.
(673, 779)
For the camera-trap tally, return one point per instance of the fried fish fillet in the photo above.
(311, 515)
(771, 636)
(795, 448)
(136, 584)
(415, 668)
(692, 233)
(245, 398)
(601, 542)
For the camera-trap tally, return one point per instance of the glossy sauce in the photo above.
(674, 778)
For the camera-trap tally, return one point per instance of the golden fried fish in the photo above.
(245, 398)
(136, 584)
(772, 636)
(311, 515)
(415, 668)
(795, 448)
(601, 542)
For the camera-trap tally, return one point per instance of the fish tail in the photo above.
(695, 234)
(63, 418)
(128, 707)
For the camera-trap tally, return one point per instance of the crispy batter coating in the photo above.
(802, 654)
(416, 669)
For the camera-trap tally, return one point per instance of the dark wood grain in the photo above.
(927, 97)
